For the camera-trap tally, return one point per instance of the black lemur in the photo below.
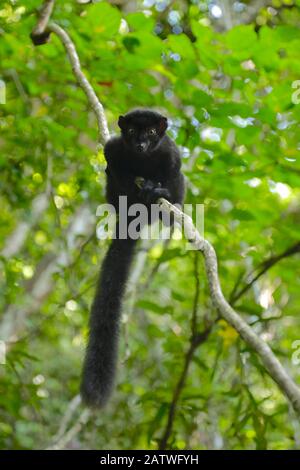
(142, 150)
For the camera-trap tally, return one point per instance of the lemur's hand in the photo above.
(150, 192)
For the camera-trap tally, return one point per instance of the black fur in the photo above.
(142, 150)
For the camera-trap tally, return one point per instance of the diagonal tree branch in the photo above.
(267, 357)
(261, 268)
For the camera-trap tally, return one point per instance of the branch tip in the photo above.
(40, 33)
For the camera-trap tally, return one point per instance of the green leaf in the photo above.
(140, 22)
(104, 20)
(241, 40)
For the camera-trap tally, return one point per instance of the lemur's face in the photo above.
(142, 130)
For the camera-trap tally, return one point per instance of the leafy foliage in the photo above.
(229, 99)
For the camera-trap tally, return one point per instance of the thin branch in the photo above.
(13, 74)
(262, 269)
(73, 431)
(71, 409)
(16, 240)
(131, 293)
(103, 132)
(196, 296)
(228, 20)
(39, 205)
(235, 288)
(197, 338)
(40, 34)
(38, 288)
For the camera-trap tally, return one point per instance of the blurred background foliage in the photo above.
(223, 72)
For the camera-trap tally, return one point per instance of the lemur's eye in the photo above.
(152, 131)
(130, 130)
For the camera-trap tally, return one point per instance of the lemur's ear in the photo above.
(163, 125)
(121, 122)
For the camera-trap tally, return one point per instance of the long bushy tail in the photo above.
(101, 355)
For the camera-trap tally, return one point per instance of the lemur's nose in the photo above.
(141, 146)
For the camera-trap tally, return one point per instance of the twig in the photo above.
(42, 30)
(13, 319)
(40, 34)
(131, 293)
(103, 132)
(13, 74)
(72, 407)
(262, 269)
(16, 240)
(196, 297)
(197, 338)
(75, 429)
